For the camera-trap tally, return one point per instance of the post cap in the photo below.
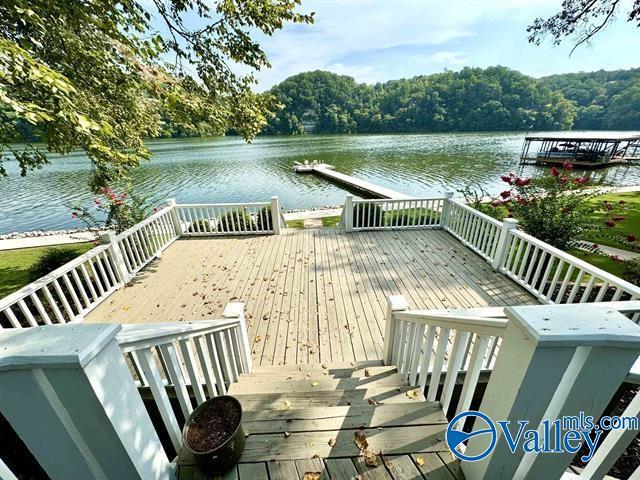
(510, 222)
(233, 310)
(106, 236)
(170, 201)
(576, 325)
(397, 303)
(54, 346)
(448, 194)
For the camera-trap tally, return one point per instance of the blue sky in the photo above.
(378, 40)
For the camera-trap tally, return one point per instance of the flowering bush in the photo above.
(551, 208)
(632, 270)
(118, 211)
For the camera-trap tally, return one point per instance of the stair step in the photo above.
(340, 443)
(329, 398)
(312, 419)
(293, 367)
(260, 385)
(317, 373)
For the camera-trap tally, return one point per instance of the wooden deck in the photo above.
(311, 295)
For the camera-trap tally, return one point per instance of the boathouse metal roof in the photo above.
(585, 136)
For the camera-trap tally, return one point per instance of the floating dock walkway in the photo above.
(352, 183)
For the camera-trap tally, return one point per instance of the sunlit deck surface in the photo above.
(311, 295)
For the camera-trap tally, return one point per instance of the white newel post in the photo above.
(502, 249)
(553, 362)
(348, 213)
(109, 238)
(275, 215)
(446, 209)
(395, 303)
(67, 392)
(177, 227)
(236, 310)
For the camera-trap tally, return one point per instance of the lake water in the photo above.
(229, 170)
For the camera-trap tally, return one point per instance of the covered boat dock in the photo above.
(583, 149)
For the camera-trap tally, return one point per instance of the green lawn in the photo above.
(615, 237)
(331, 221)
(15, 265)
(600, 261)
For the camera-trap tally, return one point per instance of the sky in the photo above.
(379, 40)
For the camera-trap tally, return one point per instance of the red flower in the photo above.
(74, 215)
(618, 218)
(507, 178)
(595, 245)
(567, 165)
(506, 194)
(610, 223)
(615, 258)
(621, 202)
(566, 210)
(522, 201)
(554, 171)
(608, 206)
(631, 238)
(564, 179)
(580, 180)
(521, 182)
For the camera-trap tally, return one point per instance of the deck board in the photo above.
(311, 295)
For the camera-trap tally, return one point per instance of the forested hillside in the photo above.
(474, 99)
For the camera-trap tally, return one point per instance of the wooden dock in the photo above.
(369, 189)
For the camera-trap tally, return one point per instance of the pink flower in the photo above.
(631, 238)
(506, 194)
(507, 178)
(567, 165)
(521, 182)
(607, 206)
(610, 223)
(74, 215)
(554, 171)
(615, 258)
(580, 180)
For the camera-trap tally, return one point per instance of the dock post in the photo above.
(444, 221)
(171, 202)
(348, 213)
(503, 243)
(275, 215)
(109, 238)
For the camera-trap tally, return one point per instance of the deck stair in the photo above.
(303, 419)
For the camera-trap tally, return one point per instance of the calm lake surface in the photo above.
(229, 170)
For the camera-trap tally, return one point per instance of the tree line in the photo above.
(473, 99)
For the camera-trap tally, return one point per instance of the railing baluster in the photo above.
(172, 365)
(217, 364)
(472, 375)
(453, 367)
(27, 313)
(205, 365)
(192, 371)
(426, 358)
(438, 363)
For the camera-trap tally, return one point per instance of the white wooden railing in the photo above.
(434, 348)
(77, 393)
(360, 215)
(66, 294)
(191, 356)
(70, 292)
(229, 219)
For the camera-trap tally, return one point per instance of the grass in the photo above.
(16, 265)
(615, 237)
(601, 261)
(331, 221)
(295, 223)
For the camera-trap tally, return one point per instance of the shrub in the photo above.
(632, 270)
(263, 219)
(368, 215)
(236, 221)
(119, 211)
(551, 208)
(50, 260)
(201, 225)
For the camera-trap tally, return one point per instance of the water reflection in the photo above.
(229, 170)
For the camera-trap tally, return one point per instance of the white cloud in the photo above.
(446, 58)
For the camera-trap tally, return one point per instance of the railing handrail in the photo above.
(468, 323)
(478, 213)
(223, 205)
(136, 336)
(396, 200)
(50, 277)
(143, 223)
(587, 267)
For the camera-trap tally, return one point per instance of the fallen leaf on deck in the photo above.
(413, 394)
(367, 373)
(332, 442)
(287, 434)
(361, 440)
(258, 338)
(286, 404)
(370, 458)
(314, 384)
(312, 476)
(419, 460)
(126, 307)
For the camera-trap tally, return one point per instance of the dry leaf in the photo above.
(312, 476)
(370, 458)
(413, 394)
(419, 460)
(287, 434)
(286, 404)
(258, 338)
(126, 307)
(314, 384)
(361, 440)
(332, 442)
(367, 373)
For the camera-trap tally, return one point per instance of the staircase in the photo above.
(336, 421)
